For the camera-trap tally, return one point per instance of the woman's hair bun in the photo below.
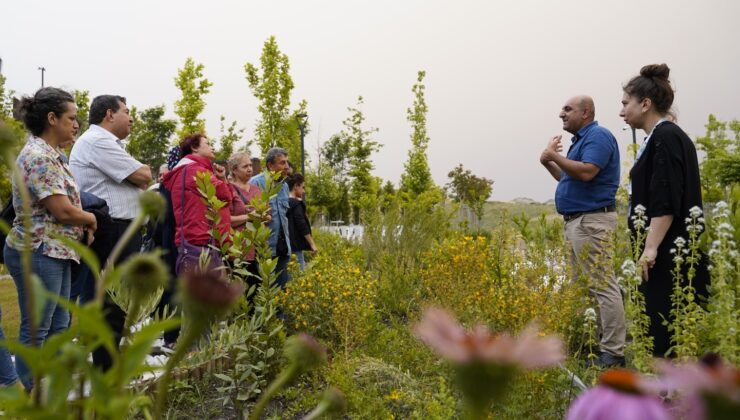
(659, 71)
(26, 104)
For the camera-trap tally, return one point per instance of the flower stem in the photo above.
(283, 379)
(117, 250)
(321, 408)
(183, 344)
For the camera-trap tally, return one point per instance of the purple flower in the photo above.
(617, 397)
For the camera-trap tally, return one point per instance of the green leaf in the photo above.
(135, 353)
(223, 377)
(86, 254)
(39, 297)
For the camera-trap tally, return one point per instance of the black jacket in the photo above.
(298, 225)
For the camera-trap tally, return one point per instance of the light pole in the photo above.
(43, 70)
(634, 136)
(302, 119)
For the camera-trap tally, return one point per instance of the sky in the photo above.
(497, 72)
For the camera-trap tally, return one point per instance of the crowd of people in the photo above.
(93, 197)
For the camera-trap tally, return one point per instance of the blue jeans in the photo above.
(7, 370)
(301, 260)
(55, 275)
(282, 271)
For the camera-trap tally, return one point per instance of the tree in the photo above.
(720, 169)
(271, 84)
(193, 87)
(11, 139)
(229, 136)
(82, 100)
(469, 189)
(336, 156)
(150, 136)
(417, 178)
(363, 187)
(322, 192)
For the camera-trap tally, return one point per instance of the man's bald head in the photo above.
(577, 112)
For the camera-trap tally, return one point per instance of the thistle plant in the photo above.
(724, 311)
(686, 314)
(641, 347)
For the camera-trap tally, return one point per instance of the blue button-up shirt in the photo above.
(591, 144)
(279, 204)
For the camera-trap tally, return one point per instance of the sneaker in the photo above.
(606, 360)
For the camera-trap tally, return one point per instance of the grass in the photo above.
(9, 305)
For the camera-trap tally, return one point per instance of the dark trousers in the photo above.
(282, 271)
(106, 238)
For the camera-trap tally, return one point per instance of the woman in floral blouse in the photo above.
(51, 117)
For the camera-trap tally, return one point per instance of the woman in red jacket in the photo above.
(192, 235)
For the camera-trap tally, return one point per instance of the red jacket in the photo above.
(195, 224)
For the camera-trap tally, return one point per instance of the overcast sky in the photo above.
(497, 71)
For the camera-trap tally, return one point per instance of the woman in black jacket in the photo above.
(298, 224)
(665, 183)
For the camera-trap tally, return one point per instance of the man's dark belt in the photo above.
(121, 221)
(571, 216)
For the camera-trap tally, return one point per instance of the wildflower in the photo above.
(617, 396)
(304, 351)
(332, 401)
(590, 315)
(485, 363)
(141, 277)
(708, 389)
(209, 289)
(695, 212)
(152, 204)
(680, 242)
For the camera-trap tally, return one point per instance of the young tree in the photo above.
(229, 136)
(271, 84)
(150, 136)
(322, 192)
(720, 169)
(363, 187)
(335, 167)
(82, 100)
(417, 178)
(470, 190)
(193, 87)
(13, 135)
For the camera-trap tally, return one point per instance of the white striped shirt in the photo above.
(100, 166)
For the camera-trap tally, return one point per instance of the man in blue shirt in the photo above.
(279, 240)
(588, 178)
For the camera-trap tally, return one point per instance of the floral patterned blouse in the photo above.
(45, 173)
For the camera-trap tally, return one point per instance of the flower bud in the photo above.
(304, 351)
(144, 275)
(210, 290)
(152, 204)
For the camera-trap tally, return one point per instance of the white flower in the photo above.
(673, 250)
(640, 210)
(590, 314)
(695, 211)
(680, 242)
(721, 205)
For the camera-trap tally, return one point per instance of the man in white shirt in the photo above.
(102, 167)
